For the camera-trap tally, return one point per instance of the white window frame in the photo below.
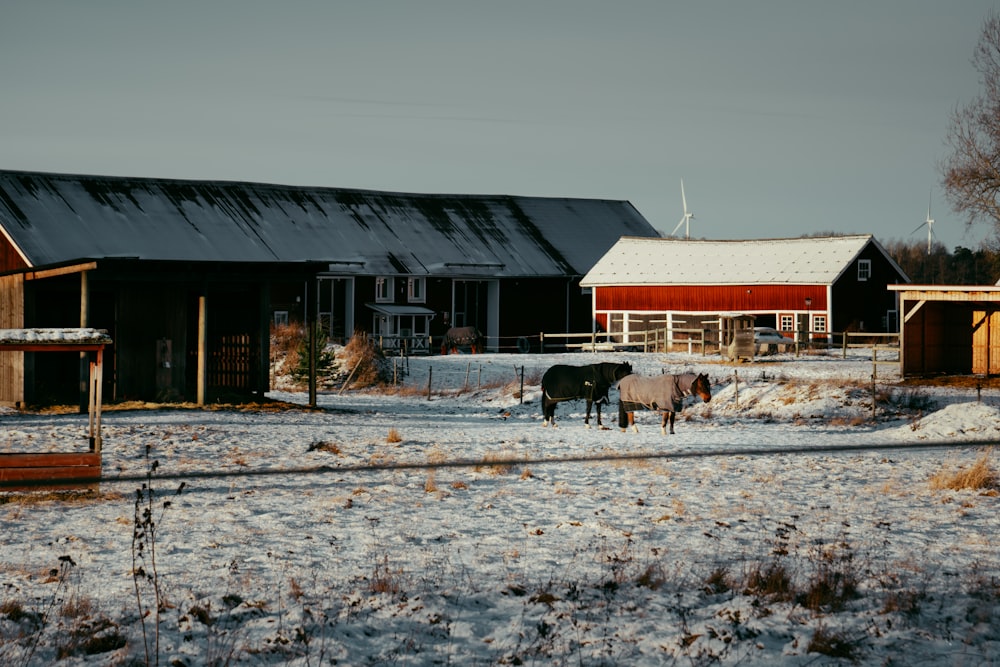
(864, 270)
(383, 289)
(416, 289)
(281, 318)
(818, 324)
(786, 322)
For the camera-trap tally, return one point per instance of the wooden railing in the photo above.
(650, 340)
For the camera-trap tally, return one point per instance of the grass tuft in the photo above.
(981, 475)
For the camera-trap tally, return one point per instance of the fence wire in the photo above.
(717, 451)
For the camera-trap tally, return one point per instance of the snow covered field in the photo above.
(783, 524)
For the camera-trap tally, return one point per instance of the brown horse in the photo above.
(465, 336)
(664, 393)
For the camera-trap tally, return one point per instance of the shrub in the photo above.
(365, 362)
(833, 644)
(325, 358)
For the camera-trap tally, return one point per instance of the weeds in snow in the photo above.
(981, 475)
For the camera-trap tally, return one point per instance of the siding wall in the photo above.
(11, 317)
(986, 342)
(711, 298)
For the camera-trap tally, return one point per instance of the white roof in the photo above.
(664, 261)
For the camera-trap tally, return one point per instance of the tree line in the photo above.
(964, 266)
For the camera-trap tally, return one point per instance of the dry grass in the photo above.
(393, 436)
(364, 361)
(325, 446)
(834, 644)
(979, 476)
(72, 497)
(496, 463)
(286, 340)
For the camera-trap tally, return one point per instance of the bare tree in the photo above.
(972, 171)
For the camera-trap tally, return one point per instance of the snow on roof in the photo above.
(52, 219)
(662, 261)
(83, 336)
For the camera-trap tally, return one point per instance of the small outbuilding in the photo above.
(949, 329)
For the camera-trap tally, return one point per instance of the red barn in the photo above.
(820, 284)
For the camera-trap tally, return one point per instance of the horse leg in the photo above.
(631, 422)
(586, 419)
(663, 422)
(548, 412)
(600, 425)
(672, 416)
(621, 416)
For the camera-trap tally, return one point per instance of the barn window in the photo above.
(281, 318)
(819, 323)
(415, 290)
(864, 269)
(383, 289)
(788, 323)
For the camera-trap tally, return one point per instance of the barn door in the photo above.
(986, 342)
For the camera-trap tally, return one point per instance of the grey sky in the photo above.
(783, 117)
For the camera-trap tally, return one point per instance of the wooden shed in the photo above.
(70, 465)
(949, 329)
(811, 284)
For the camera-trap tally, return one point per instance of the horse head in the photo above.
(621, 370)
(702, 387)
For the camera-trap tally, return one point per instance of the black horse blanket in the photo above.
(455, 336)
(591, 383)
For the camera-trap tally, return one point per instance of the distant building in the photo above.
(819, 285)
(189, 276)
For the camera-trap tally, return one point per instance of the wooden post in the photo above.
(202, 347)
(873, 397)
(85, 376)
(96, 383)
(313, 333)
(736, 387)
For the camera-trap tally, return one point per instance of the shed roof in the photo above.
(664, 261)
(51, 219)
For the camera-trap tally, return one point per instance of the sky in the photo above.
(782, 118)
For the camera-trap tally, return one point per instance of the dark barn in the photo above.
(188, 276)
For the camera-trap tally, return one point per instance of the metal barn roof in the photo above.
(802, 261)
(52, 219)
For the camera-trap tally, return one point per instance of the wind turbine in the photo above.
(929, 222)
(688, 216)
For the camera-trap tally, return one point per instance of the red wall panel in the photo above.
(711, 298)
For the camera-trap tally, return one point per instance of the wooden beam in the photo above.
(62, 271)
(907, 316)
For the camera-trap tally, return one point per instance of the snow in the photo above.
(312, 537)
(54, 336)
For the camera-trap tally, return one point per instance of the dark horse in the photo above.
(664, 393)
(470, 336)
(567, 383)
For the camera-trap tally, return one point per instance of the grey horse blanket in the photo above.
(663, 392)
